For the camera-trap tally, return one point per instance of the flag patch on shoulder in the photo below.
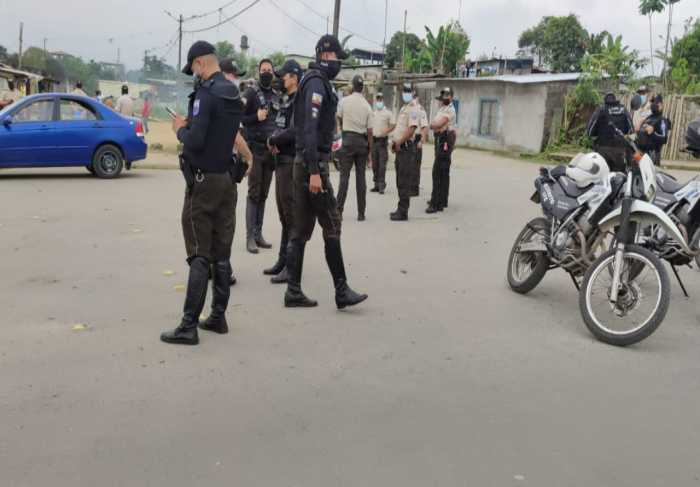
(316, 99)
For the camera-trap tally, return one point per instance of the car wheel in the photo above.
(108, 162)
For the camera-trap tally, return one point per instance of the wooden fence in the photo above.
(680, 110)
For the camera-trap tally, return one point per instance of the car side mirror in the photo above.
(7, 121)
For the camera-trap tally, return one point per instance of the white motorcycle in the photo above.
(625, 293)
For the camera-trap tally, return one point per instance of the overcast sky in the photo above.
(97, 29)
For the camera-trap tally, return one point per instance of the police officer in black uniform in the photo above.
(282, 145)
(233, 73)
(262, 105)
(314, 118)
(207, 135)
(607, 143)
(654, 132)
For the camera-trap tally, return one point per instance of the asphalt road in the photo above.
(443, 378)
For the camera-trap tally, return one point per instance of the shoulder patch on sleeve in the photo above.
(195, 107)
(316, 99)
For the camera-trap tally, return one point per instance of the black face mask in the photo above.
(446, 101)
(196, 82)
(330, 68)
(655, 109)
(266, 79)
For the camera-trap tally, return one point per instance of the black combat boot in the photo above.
(401, 213)
(344, 295)
(216, 321)
(294, 297)
(281, 278)
(281, 258)
(186, 333)
(259, 239)
(251, 216)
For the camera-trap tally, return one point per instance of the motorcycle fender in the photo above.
(645, 213)
(532, 247)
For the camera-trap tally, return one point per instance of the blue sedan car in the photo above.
(62, 130)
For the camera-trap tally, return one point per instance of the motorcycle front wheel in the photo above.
(527, 269)
(643, 297)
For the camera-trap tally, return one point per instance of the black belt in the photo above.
(407, 145)
(381, 139)
(350, 132)
(284, 158)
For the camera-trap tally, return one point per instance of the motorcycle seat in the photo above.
(570, 187)
(668, 183)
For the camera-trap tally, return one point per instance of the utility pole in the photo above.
(336, 18)
(386, 18)
(45, 53)
(21, 33)
(179, 46)
(403, 51)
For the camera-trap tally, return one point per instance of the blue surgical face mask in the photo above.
(379, 105)
(407, 97)
(644, 99)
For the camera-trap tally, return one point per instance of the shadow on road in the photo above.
(34, 175)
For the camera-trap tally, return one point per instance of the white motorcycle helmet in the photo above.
(586, 169)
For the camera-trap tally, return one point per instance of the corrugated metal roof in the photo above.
(10, 70)
(536, 78)
(525, 78)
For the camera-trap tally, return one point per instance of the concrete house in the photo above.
(510, 112)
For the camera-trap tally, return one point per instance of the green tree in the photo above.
(649, 8)
(449, 47)
(394, 50)
(559, 42)
(685, 61)
(224, 49)
(4, 55)
(565, 41)
(532, 40)
(420, 62)
(596, 42)
(34, 58)
(54, 69)
(156, 68)
(278, 58)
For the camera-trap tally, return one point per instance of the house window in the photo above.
(488, 117)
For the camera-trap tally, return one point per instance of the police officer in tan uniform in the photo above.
(421, 140)
(404, 146)
(355, 116)
(445, 137)
(384, 124)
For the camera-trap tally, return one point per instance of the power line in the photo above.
(258, 41)
(294, 20)
(226, 20)
(325, 17)
(211, 12)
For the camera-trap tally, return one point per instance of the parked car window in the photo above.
(38, 111)
(74, 110)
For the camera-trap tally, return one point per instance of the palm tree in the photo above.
(670, 4)
(648, 8)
